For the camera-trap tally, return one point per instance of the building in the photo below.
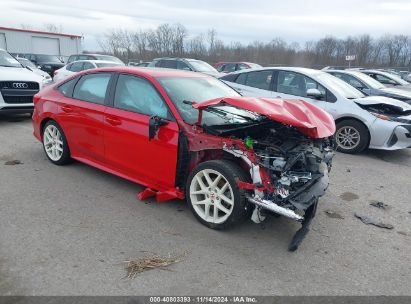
(22, 41)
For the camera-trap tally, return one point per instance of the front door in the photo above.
(128, 148)
(293, 85)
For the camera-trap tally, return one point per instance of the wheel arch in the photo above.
(340, 119)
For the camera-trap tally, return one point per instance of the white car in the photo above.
(18, 85)
(32, 67)
(81, 65)
(374, 122)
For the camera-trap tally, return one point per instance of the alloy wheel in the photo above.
(53, 142)
(211, 196)
(348, 137)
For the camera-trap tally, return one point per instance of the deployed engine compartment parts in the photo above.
(288, 164)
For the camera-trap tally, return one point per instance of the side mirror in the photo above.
(314, 93)
(154, 124)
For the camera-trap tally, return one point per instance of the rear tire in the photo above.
(214, 196)
(55, 144)
(351, 136)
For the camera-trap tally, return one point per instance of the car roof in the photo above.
(291, 69)
(95, 61)
(348, 72)
(151, 72)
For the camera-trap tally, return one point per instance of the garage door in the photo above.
(3, 41)
(43, 45)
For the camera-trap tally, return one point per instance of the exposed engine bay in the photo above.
(295, 165)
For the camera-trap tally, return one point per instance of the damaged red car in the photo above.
(189, 136)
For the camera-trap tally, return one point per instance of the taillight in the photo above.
(36, 98)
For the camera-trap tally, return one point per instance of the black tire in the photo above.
(65, 157)
(362, 131)
(232, 173)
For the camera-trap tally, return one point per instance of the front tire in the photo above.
(55, 144)
(214, 195)
(351, 136)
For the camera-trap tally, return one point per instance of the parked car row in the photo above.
(362, 121)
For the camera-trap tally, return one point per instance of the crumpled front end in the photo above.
(289, 173)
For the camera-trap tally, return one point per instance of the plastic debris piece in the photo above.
(333, 214)
(13, 162)
(379, 204)
(368, 221)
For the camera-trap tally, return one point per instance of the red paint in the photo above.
(307, 118)
(116, 141)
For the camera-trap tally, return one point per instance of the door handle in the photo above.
(67, 109)
(113, 121)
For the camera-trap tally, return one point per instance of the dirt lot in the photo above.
(66, 231)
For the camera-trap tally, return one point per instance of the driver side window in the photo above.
(296, 84)
(136, 94)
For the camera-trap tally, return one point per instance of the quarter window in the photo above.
(92, 87)
(183, 66)
(66, 88)
(136, 94)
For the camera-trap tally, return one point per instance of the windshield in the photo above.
(395, 78)
(108, 58)
(26, 62)
(48, 58)
(6, 60)
(184, 90)
(371, 82)
(201, 66)
(105, 65)
(337, 85)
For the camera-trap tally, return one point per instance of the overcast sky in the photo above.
(234, 20)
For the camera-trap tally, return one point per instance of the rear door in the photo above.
(128, 148)
(81, 115)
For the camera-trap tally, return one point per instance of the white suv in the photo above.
(18, 85)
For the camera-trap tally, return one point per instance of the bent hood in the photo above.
(307, 118)
(398, 91)
(381, 100)
(18, 74)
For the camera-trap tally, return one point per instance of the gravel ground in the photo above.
(67, 230)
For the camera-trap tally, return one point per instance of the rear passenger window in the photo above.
(88, 66)
(169, 64)
(260, 80)
(75, 67)
(92, 87)
(241, 79)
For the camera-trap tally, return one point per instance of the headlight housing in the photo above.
(391, 118)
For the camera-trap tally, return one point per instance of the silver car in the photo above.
(374, 122)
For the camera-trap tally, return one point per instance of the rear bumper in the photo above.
(17, 110)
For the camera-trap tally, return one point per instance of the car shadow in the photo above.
(399, 157)
(14, 118)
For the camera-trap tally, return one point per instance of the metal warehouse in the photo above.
(38, 42)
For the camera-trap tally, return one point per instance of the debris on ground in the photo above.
(349, 196)
(13, 162)
(368, 221)
(402, 233)
(379, 204)
(138, 265)
(348, 170)
(333, 214)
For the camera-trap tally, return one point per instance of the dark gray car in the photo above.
(370, 86)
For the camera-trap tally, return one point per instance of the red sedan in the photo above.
(188, 135)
